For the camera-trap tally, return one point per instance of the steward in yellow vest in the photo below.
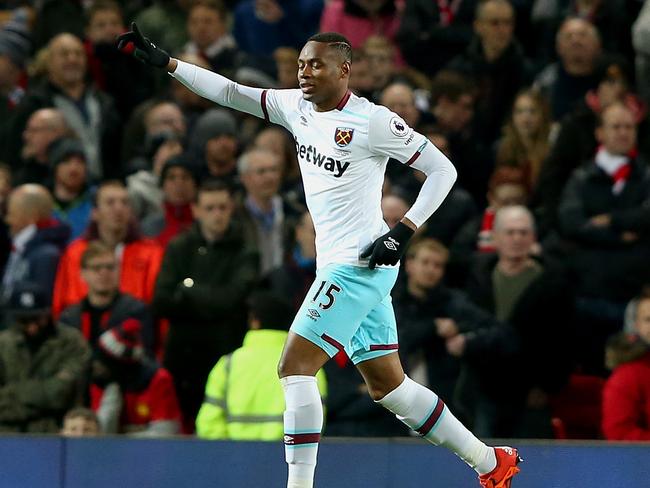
(243, 396)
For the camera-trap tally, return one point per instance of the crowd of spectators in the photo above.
(153, 246)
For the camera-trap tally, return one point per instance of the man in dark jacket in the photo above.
(294, 278)
(604, 213)
(440, 29)
(427, 312)
(576, 139)
(535, 304)
(37, 239)
(32, 163)
(202, 286)
(42, 365)
(89, 112)
(267, 216)
(105, 307)
(114, 72)
(497, 63)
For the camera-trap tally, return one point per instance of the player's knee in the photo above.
(289, 367)
(377, 392)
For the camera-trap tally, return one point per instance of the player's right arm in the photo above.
(266, 104)
(220, 89)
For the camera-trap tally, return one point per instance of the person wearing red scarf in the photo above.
(604, 215)
(179, 183)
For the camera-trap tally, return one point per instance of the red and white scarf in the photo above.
(617, 166)
(485, 241)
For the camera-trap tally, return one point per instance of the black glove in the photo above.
(143, 49)
(389, 248)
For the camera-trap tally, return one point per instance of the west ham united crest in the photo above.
(343, 136)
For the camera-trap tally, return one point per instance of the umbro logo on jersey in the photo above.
(303, 120)
(343, 136)
(288, 440)
(311, 155)
(313, 313)
(391, 244)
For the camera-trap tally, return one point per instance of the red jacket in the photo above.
(626, 402)
(140, 265)
(156, 402)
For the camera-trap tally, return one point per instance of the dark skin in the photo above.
(323, 76)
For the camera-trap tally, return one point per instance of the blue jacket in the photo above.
(40, 258)
(259, 38)
(77, 213)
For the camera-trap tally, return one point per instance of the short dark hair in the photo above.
(105, 184)
(271, 309)
(215, 5)
(452, 85)
(335, 41)
(506, 175)
(213, 185)
(102, 6)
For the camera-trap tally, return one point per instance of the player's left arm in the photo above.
(389, 135)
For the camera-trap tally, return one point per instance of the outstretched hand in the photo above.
(389, 248)
(133, 42)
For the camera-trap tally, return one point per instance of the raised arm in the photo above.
(206, 83)
(218, 88)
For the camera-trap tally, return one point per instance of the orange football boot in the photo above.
(506, 468)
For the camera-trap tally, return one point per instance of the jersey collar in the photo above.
(344, 100)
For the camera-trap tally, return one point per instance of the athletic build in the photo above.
(343, 144)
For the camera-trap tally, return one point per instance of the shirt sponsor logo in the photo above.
(343, 136)
(329, 164)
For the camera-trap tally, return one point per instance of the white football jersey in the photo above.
(343, 155)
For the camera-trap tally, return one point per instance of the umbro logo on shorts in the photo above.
(391, 244)
(313, 314)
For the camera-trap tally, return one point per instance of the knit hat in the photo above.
(180, 161)
(28, 299)
(15, 38)
(124, 342)
(61, 149)
(213, 123)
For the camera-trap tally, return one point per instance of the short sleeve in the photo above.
(389, 135)
(277, 104)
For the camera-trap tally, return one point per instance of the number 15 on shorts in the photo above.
(326, 300)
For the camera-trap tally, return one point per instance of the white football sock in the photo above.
(422, 410)
(303, 422)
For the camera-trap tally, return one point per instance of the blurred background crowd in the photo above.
(154, 247)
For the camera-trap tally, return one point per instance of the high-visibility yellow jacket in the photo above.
(243, 396)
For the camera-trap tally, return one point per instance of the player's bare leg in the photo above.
(422, 410)
(303, 416)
